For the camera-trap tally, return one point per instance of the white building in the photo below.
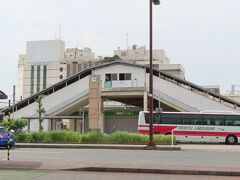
(46, 63)
(45, 51)
(40, 67)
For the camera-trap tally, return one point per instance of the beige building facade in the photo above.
(47, 62)
(78, 55)
(140, 55)
(234, 93)
(35, 77)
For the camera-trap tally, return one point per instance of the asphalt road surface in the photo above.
(190, 155)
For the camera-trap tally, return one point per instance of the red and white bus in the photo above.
(222, 127)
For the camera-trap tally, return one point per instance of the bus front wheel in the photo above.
(231, 139)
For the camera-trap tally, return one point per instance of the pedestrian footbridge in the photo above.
(123, 82)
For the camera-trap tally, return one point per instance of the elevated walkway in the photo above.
(72, 93)
(185, 96)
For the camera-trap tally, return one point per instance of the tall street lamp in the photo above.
(151, 143)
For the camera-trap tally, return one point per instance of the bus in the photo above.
(212, 127)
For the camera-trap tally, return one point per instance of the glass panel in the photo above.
(113, 77)
(192, 119)
(232, 120)
(128, 76)
(3, 130)
(32, 80)
(156, 118)
(45, 76)
(38, 78)
(107, 77)
(121, 76)
(146, 118)
(171, 119)
(215, 120)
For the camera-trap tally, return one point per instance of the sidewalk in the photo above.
(115, 167)
(130, 168)
(96, 146)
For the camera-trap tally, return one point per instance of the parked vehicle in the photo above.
(205, 126)
(4, 137)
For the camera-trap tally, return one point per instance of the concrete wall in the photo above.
(45, 51)
(95, 104)
(57, 100)
(138, 75)
(112, 124)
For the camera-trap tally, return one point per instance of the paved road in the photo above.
(76, 175)
(190, 155)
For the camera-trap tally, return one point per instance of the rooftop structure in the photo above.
(45, 51)
(3, 95)
(140, 55)
(75, 55)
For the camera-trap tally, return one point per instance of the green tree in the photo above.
(16, 124)
(111, 59)
(40, 111)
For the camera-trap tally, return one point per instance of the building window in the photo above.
(124, 76)
(44, 76)
(123, 53)
(156, 66)
(38, 77)
(110, 77)
(61, 69)
(61, 76)
(32, 80)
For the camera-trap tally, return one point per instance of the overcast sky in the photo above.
(202, 35)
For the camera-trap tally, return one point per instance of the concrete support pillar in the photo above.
(95, 104)
(145, 101)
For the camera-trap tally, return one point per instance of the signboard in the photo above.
(108, 84)
(126, 83)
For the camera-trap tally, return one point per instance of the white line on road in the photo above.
(38, 152)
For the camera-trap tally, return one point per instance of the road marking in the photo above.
(38, 152)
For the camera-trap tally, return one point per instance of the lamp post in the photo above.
(151, 143)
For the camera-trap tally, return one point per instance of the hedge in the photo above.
(119, 137)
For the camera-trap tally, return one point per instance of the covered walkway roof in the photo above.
(178, 81)
(3, 95)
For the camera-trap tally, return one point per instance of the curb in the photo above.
(92, 146)
(159, 171)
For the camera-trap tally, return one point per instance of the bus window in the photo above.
(213, 120)
(232, 120)
(171, 119)
(146, 118)
(156, 118)
(192, 119)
